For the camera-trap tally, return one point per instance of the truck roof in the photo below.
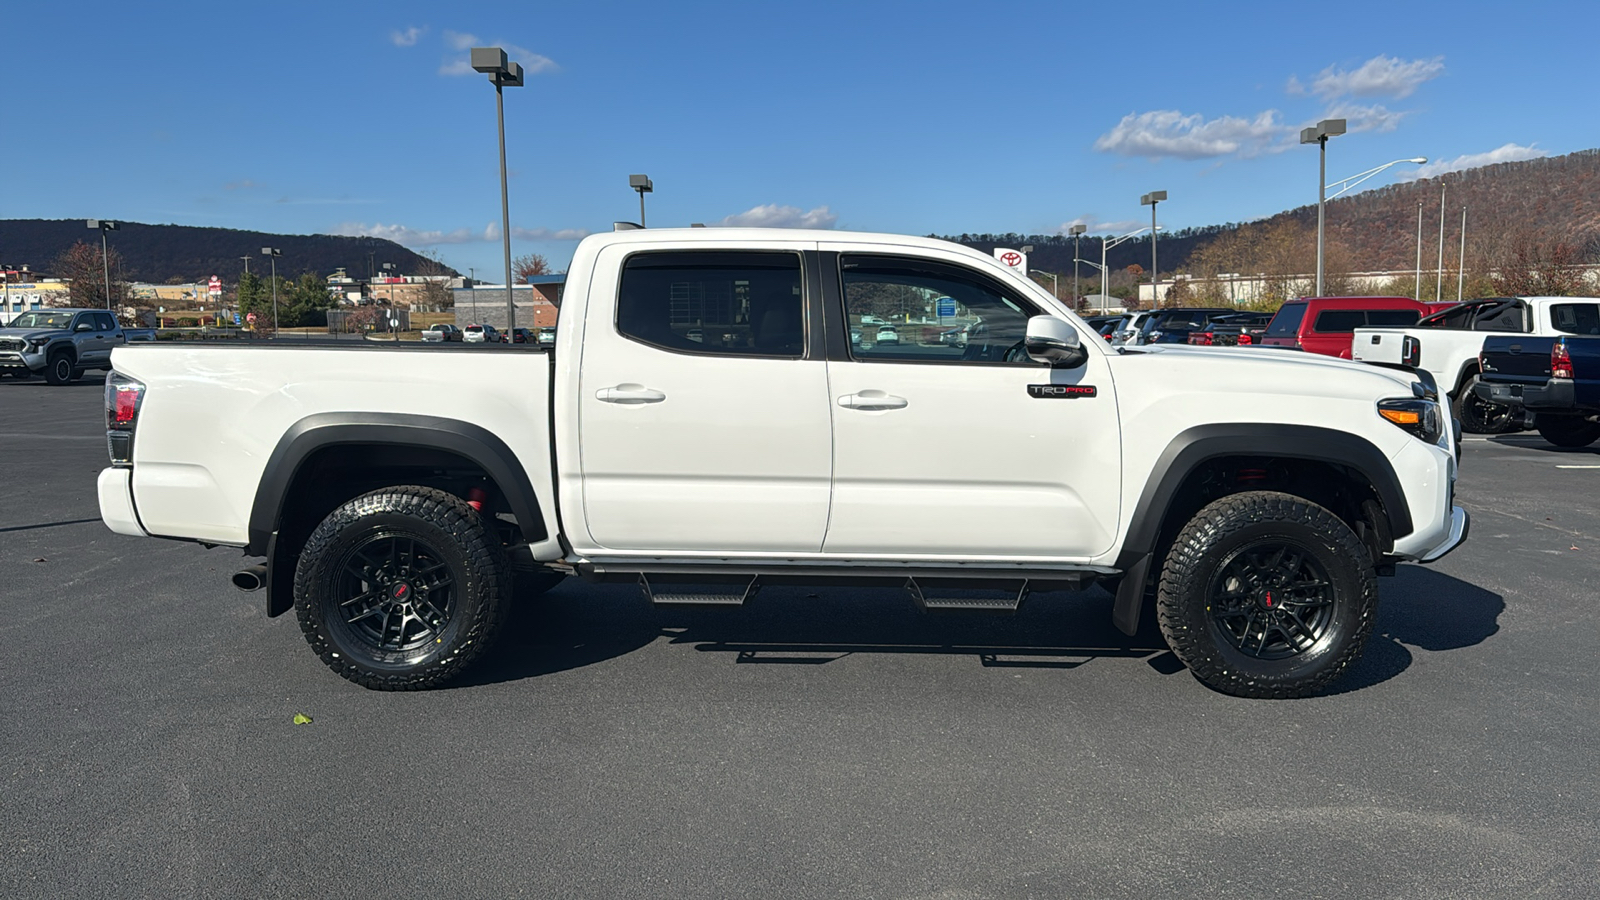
(745, 235)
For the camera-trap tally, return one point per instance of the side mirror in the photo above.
(84, 326)
(1055, 343)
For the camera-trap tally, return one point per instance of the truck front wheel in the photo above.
(402, 588)
(1267, 595)
(60, 369)
(1567, 431)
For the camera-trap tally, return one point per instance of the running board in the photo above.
(741, 576)
(704, 591)
(997, 600)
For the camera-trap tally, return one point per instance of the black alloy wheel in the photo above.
(1480, 416)
(402, 588)
(60, 370)
(1265, 594)
(1271, 600)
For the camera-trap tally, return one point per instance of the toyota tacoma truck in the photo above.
(1557, 379)
(59, 343)
(1447, 344)
(704, 426)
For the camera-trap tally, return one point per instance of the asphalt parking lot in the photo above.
(811, 744)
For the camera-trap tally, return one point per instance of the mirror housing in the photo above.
(84, 326)
(1054, 342)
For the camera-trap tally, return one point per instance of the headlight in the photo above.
(1419, 417)
(35, 344)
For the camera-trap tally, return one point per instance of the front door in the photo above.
(948, 442)
(703, 415)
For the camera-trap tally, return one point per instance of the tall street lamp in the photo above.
(1077, 234)
(273, 253)
(105, 257)
(1318, 134)
(641, 183)
(1150, 200)
(492, 62)
(1346, 184)
(1104, 246)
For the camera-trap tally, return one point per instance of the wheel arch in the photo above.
(1197, 452)
(407, 439)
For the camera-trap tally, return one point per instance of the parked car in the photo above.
(1325, 324)
(482, 334)
(441, 332)
(59, 344)
(1236, 330)
(547, 335)
(1448, 344)
(1130, 329)
(1173, 326)
(1036, 460)
(887, 335)
(1556, 378)
(523, 336)
(1103, 325)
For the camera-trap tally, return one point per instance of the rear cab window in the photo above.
(722, 303)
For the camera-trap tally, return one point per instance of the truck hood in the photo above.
(27, 333)
(1290, 365)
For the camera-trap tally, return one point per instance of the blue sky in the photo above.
(920, 118)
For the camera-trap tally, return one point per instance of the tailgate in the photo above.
(1519, 357)
(1377, 345)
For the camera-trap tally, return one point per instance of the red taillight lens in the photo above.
(1560, 360)
(1246, 339)
(1203, 338)
(127, 406)
(123, 396)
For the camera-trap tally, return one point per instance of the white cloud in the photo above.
(1381, 76)
(1096, 225)
(460, 62)
(416, 237)
(774, 216)
(241, 184)
(1168, 132)
(407, 38)
(1503, 154)
(1376, 117)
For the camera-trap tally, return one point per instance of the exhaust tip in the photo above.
(250, 579)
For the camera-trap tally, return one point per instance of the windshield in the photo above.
(42, 320)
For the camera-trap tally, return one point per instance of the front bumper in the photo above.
(1460, 525)
(1554, 394)
(12, 360)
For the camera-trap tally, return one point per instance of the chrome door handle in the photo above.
(629, 393)
(870, 400)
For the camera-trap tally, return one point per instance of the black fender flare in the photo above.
(312, 433)
(1195, 446)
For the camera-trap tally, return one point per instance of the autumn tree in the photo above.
(1539, 269)
(85, 271)
(436, 279)
(528, 265)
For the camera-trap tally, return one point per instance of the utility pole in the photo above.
(1461, 258)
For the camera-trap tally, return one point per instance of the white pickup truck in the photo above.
(704, 426)
(1447, 343)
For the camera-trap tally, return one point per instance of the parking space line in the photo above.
(1578, 467)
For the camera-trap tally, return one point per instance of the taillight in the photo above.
(1560, 360)
(1203, 338)
(123, 396)
(1246, 339)
(1410, 351)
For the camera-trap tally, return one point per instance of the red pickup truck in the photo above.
(1324, 324)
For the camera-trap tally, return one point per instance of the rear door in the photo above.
(703, 410)
(954, 452)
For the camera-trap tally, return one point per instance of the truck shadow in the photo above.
(1544, 446)
(579, 624)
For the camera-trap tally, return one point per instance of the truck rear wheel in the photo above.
(1267, 595)
(1567, 431)
(1480, 416)
(402, 588)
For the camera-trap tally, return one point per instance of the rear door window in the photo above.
(1287, 322)
(1506, 317)
(721, 303)
(1576, 318)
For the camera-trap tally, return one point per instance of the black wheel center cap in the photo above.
(401, 592)
(1270, 599)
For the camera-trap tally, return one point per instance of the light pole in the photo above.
(1090, 262)
(273, 253)
(641, 183)
(1104, 246)
(1150, 200)
(1077, 235)
(492, 62)
(1318, 134)
(1055, 284)
(105, 254)
(1461, 258)
(1356, 179)
(1418, 294)
(1438, 281)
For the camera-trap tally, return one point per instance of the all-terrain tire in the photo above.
(402, 588)
(1225, 577)
(60, 370)
(1479, 416)
(1567, 431)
